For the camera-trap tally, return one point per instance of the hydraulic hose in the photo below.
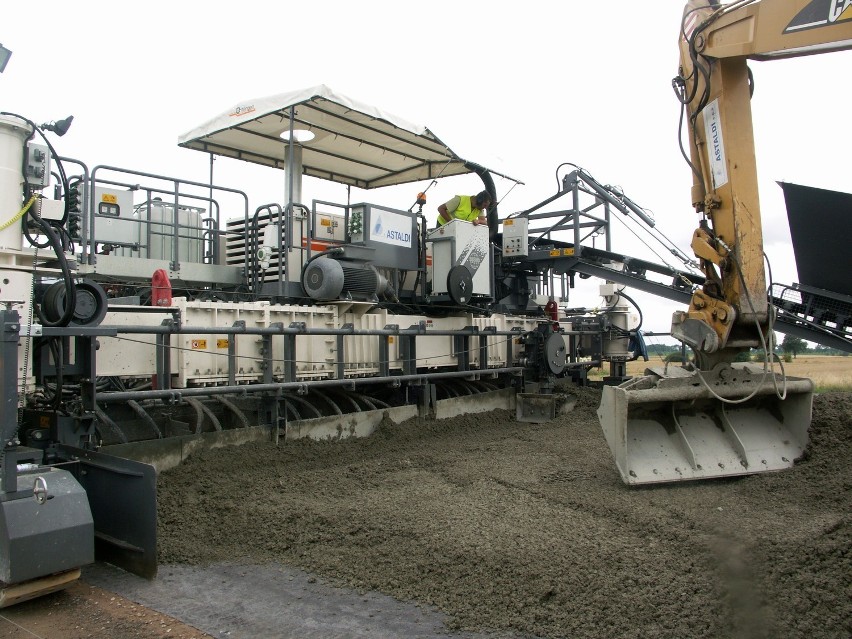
(70, 288)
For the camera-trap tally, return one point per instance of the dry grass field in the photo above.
(829, 372)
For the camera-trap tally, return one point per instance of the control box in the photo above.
(516, 237)
(38, 165)
(392, 235)
(114, 219)
(460, 243)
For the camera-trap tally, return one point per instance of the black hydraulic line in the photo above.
(304, 402)
(227, 403)
(488, 386)
(179, 393)
(368, 402)
(372, 403)
(377, 403)
(636, 306)
(141, 412)
(481, 387)
(464, 386)
(348, 398)
(448, 389)
(213, 419)
(199, 416)
(199, 406)
(104, 418)
(288, 407)
(70, 288)
(56, 349)
(328, 400)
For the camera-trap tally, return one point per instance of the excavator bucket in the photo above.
(676, 425)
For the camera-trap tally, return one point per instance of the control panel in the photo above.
(516, 237)
(38, 165)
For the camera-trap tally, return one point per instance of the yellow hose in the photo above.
(20, 214)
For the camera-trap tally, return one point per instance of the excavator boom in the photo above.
(717, 420)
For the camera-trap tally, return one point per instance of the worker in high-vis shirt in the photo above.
(470, 208)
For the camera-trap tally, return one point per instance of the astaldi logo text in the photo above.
(397, 236)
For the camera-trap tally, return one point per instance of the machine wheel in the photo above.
(90, 306)
(555, 353)
(460, 284)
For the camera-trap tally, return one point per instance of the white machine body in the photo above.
(460, 243)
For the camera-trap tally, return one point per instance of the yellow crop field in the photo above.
(829, 372)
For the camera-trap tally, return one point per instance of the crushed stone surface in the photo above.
(528, 529)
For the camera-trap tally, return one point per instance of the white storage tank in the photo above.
(13, 133)
(158, 234)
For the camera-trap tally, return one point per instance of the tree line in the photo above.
(789, 348)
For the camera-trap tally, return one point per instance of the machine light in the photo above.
(60, 127)
(299, 135)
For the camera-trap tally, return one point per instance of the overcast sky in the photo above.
(525, 86)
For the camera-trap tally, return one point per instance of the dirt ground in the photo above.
(528, 528)
(84, 611)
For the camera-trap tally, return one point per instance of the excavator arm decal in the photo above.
(821, 13)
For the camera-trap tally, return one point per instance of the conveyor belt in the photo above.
(815, 315)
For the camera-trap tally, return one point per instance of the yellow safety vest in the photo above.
(466, 210)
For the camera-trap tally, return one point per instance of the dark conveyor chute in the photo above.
(820, 228)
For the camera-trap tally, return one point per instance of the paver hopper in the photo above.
(674, 425)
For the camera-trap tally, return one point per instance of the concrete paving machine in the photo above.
(146, 316)
(720, 418)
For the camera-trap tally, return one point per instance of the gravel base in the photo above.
(528, 529)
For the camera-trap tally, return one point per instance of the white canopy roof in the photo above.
(354, 143)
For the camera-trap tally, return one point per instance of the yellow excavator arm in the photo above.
(730, 313)
(722, 418)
